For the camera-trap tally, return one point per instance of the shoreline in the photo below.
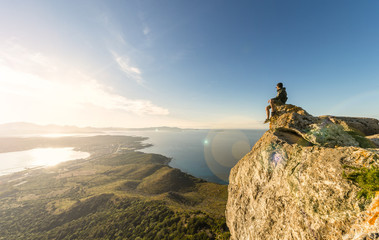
(83, 144)
(114, 180)
(138, 146)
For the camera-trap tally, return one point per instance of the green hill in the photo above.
(167, 179)
(123, 195)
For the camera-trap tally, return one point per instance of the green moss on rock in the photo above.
(366, 178)
(361, 139)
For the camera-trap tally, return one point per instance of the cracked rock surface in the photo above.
(293, 185)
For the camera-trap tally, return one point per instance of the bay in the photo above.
(206, 154)
(11, 162)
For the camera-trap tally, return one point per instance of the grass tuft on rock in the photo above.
(366, 178)
(361, 139)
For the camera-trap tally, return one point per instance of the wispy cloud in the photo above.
(118, 36)
(130, 71)
(37, 82)
(146, 30)
(17, 56)
(110, 27)
(117, 43)
(98, 95)
(147, 33)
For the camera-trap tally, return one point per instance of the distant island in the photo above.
(23, 128)
(118, 193)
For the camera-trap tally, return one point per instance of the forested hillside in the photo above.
(123, 195)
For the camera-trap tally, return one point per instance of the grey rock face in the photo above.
(374, 139)
(292, 185)
(367, 126)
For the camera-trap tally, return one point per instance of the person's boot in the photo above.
(267, 120)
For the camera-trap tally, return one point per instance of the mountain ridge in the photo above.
(22, 128)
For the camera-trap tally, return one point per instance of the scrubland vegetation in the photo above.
(114, 195)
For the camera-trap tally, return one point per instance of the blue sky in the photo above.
(201, 64)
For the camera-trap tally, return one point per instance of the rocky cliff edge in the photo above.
(308, 178)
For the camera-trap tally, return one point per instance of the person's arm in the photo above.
(277, 97)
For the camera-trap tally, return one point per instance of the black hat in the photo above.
(280, 85)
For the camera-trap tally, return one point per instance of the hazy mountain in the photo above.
(23, 128)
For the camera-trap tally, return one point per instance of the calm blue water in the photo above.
(207, 154)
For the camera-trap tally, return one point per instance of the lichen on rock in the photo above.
(329, 135)
(292, 184)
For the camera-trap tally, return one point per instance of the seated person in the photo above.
(280, 99)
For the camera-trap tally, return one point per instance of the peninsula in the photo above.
(117, 193)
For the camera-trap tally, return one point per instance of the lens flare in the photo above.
(223, 149)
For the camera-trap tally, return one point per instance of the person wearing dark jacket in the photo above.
(280, 99)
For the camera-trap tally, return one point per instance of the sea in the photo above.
(206, 154)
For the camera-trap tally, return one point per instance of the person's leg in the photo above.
(268, 111)
(272, 105)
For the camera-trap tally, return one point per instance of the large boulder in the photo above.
(295, 182)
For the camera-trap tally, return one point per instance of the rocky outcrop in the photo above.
(374, 139)
(297, 182)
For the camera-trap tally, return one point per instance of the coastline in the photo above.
(110, 176)
(189, 150)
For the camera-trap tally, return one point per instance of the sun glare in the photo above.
(54, 156)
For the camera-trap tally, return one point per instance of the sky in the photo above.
(189, 64)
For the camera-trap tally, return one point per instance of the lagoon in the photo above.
(206, 154)
(11, 162)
